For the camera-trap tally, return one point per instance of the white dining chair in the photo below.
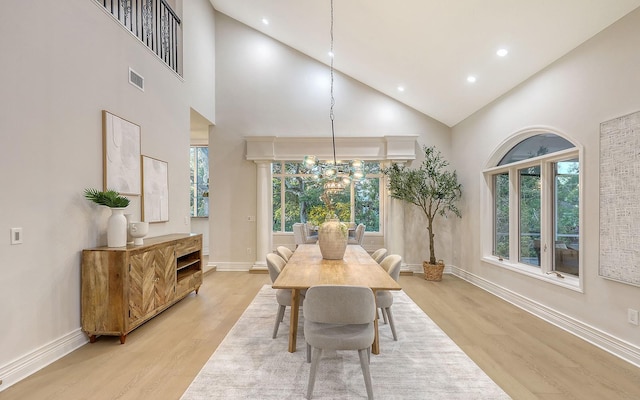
(384, 298)
(275, 263)
(284, 252)
(339, 317)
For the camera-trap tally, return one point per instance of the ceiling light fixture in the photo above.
(336, 174)
(265, 21)
(471, 79)
(400, 88)
(502, 52)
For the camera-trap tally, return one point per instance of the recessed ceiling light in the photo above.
(331, 54)
(502, 52)
(400, 88)
(265, 21)
(471, 79)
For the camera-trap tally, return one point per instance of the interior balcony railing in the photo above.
(154, 23)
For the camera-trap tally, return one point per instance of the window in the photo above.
(534, 201)
(199, 163)
(296, 198)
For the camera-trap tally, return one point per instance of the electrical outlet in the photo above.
(251, 218)
(249, 250)
(16, 235)
(632, 316)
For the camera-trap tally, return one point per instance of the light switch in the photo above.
(16, 235)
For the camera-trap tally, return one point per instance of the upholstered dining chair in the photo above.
(300, 234)
(284, 252)
(339, 317)
(379, 254)
(384, 298)
(275, 263)
(359, 235)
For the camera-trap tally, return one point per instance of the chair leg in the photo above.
(308, 353)
(365, 372)
(393, 326)
(384, 315)
(312, 372)
(278, 319)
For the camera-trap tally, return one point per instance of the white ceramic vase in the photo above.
(332, 239)
(117, 228)
(138, 230)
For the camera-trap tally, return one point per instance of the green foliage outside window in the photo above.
(199, 187)
(303, 203)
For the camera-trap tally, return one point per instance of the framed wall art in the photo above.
(121, 154)
(155, 194)
(619, 194)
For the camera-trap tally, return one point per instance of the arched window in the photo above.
(533, 203)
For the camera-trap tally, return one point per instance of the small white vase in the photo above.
(332, 238)
(129, 219)
(117, 228)
(138, 230)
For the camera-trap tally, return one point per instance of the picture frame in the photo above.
(121, 155)
(155, 192)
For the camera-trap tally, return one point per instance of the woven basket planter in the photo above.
(433, 272)
(332, 238)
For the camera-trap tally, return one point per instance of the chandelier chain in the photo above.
(333, 100)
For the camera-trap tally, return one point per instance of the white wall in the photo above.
(64, 62)
(264, 88)
(595, 83)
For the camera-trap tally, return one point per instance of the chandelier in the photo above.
(337, 175)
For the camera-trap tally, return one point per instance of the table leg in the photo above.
(293, 327)
(375, 347)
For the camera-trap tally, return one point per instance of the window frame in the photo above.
(546, 163)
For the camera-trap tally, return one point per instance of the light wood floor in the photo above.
(526, 356)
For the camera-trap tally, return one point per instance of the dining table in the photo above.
(307, 268)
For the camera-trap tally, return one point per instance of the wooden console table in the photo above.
(123, 287)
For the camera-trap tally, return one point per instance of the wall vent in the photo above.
(136, 79)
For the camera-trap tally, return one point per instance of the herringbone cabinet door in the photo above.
(165, 270)
(141, 286)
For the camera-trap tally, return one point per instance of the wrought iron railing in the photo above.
(154, 23)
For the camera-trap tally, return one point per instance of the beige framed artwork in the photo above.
(155, 192)
(121, 154)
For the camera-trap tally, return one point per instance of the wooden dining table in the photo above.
(307, 268)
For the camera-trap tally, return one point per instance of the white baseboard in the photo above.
(603, 340)
(32, 362)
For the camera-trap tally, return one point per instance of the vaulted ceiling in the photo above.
(431, 47)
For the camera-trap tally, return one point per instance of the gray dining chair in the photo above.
(339, 317)
(275, 263)
(359, 235)
(384, 298)
(284, 252)
(301, 234)
(379, 255)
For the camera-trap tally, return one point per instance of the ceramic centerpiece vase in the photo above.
(332, 238)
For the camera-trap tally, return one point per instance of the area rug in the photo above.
(423, 364)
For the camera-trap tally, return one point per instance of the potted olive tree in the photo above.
(434, 189)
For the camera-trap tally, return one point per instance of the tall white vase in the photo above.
(117, 228)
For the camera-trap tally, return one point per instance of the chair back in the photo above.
(360, 233)
(298, 233)
(284, 252)
(339, 304)
(392, 264)
(275, 263)
(379, 255)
